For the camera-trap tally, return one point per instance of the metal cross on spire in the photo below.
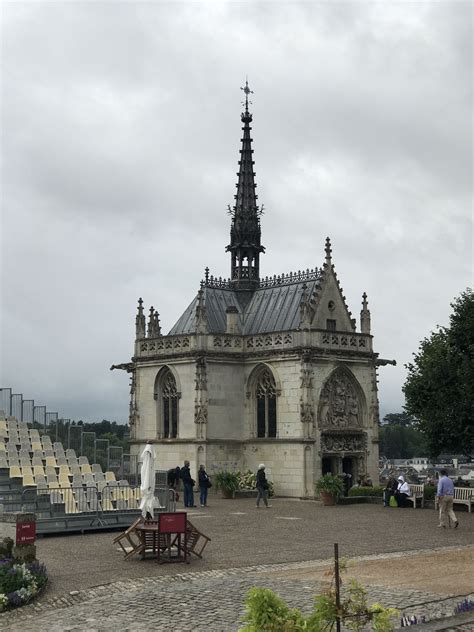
(247, 91)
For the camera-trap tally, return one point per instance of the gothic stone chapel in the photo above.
(259, 370)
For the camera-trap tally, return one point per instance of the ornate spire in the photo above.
(245, 233)
(364, 316)
(154, 329)
(328, 250)
(140, 324)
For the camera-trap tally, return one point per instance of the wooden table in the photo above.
(166, 537)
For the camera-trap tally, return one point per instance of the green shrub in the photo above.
(331, 484)
(429, 492)
(366, 491)
(267, 612)
(226, 480)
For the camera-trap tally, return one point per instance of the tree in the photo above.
(399, 419)
(439, 389)
(399, 441)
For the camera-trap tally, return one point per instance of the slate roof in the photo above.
(274, 308)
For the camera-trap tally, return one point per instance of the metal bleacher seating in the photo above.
(59, 481)
(15, 471)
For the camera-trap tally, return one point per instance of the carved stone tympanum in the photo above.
(339, 405)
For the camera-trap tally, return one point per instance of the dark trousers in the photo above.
(203, 495)
(188, 495)
(401, 499)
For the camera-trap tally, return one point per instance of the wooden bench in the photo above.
(417, 493)
(462, 496)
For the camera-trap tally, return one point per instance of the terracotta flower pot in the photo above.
(227, 493)
(327, 499)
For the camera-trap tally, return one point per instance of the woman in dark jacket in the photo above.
(390, 489)
(204, 484)
(262, 486)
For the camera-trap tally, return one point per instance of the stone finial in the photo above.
(201, 322)
(328, 250)
(364, 316)
(151, 322)
(156, 324)
(140, 323)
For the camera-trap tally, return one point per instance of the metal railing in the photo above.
(56, 502)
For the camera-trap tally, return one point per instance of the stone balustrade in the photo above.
(228, 343)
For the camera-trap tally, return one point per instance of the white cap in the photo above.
(261, 466)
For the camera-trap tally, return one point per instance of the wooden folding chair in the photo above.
(196, 541)
(129, 537)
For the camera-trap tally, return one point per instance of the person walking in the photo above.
(188, 484)
(262, 486)
(445, 493)
(204, 483)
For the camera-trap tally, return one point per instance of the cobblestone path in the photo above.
(210, 601)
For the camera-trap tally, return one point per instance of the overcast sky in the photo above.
(120, 137)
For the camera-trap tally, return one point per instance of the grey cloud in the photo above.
(121, 134)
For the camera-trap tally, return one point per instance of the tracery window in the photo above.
(169, 405)
(266, 405)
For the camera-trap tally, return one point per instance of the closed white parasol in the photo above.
(147, 486)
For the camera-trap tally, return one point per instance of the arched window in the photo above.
(265, 393)
(168, 402)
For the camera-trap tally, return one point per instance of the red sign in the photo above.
(172, 522)
(25, 532)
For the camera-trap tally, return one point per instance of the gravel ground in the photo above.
(93, 588)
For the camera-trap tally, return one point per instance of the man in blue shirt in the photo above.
(445, 495)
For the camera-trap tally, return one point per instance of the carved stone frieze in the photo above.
(339, 404)
(343, 443)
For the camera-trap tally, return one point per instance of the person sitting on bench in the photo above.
(403, 492)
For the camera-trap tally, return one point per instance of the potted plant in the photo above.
(228, 482)
(330, 488)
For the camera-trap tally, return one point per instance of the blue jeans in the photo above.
(188, 495)
(203, 495)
